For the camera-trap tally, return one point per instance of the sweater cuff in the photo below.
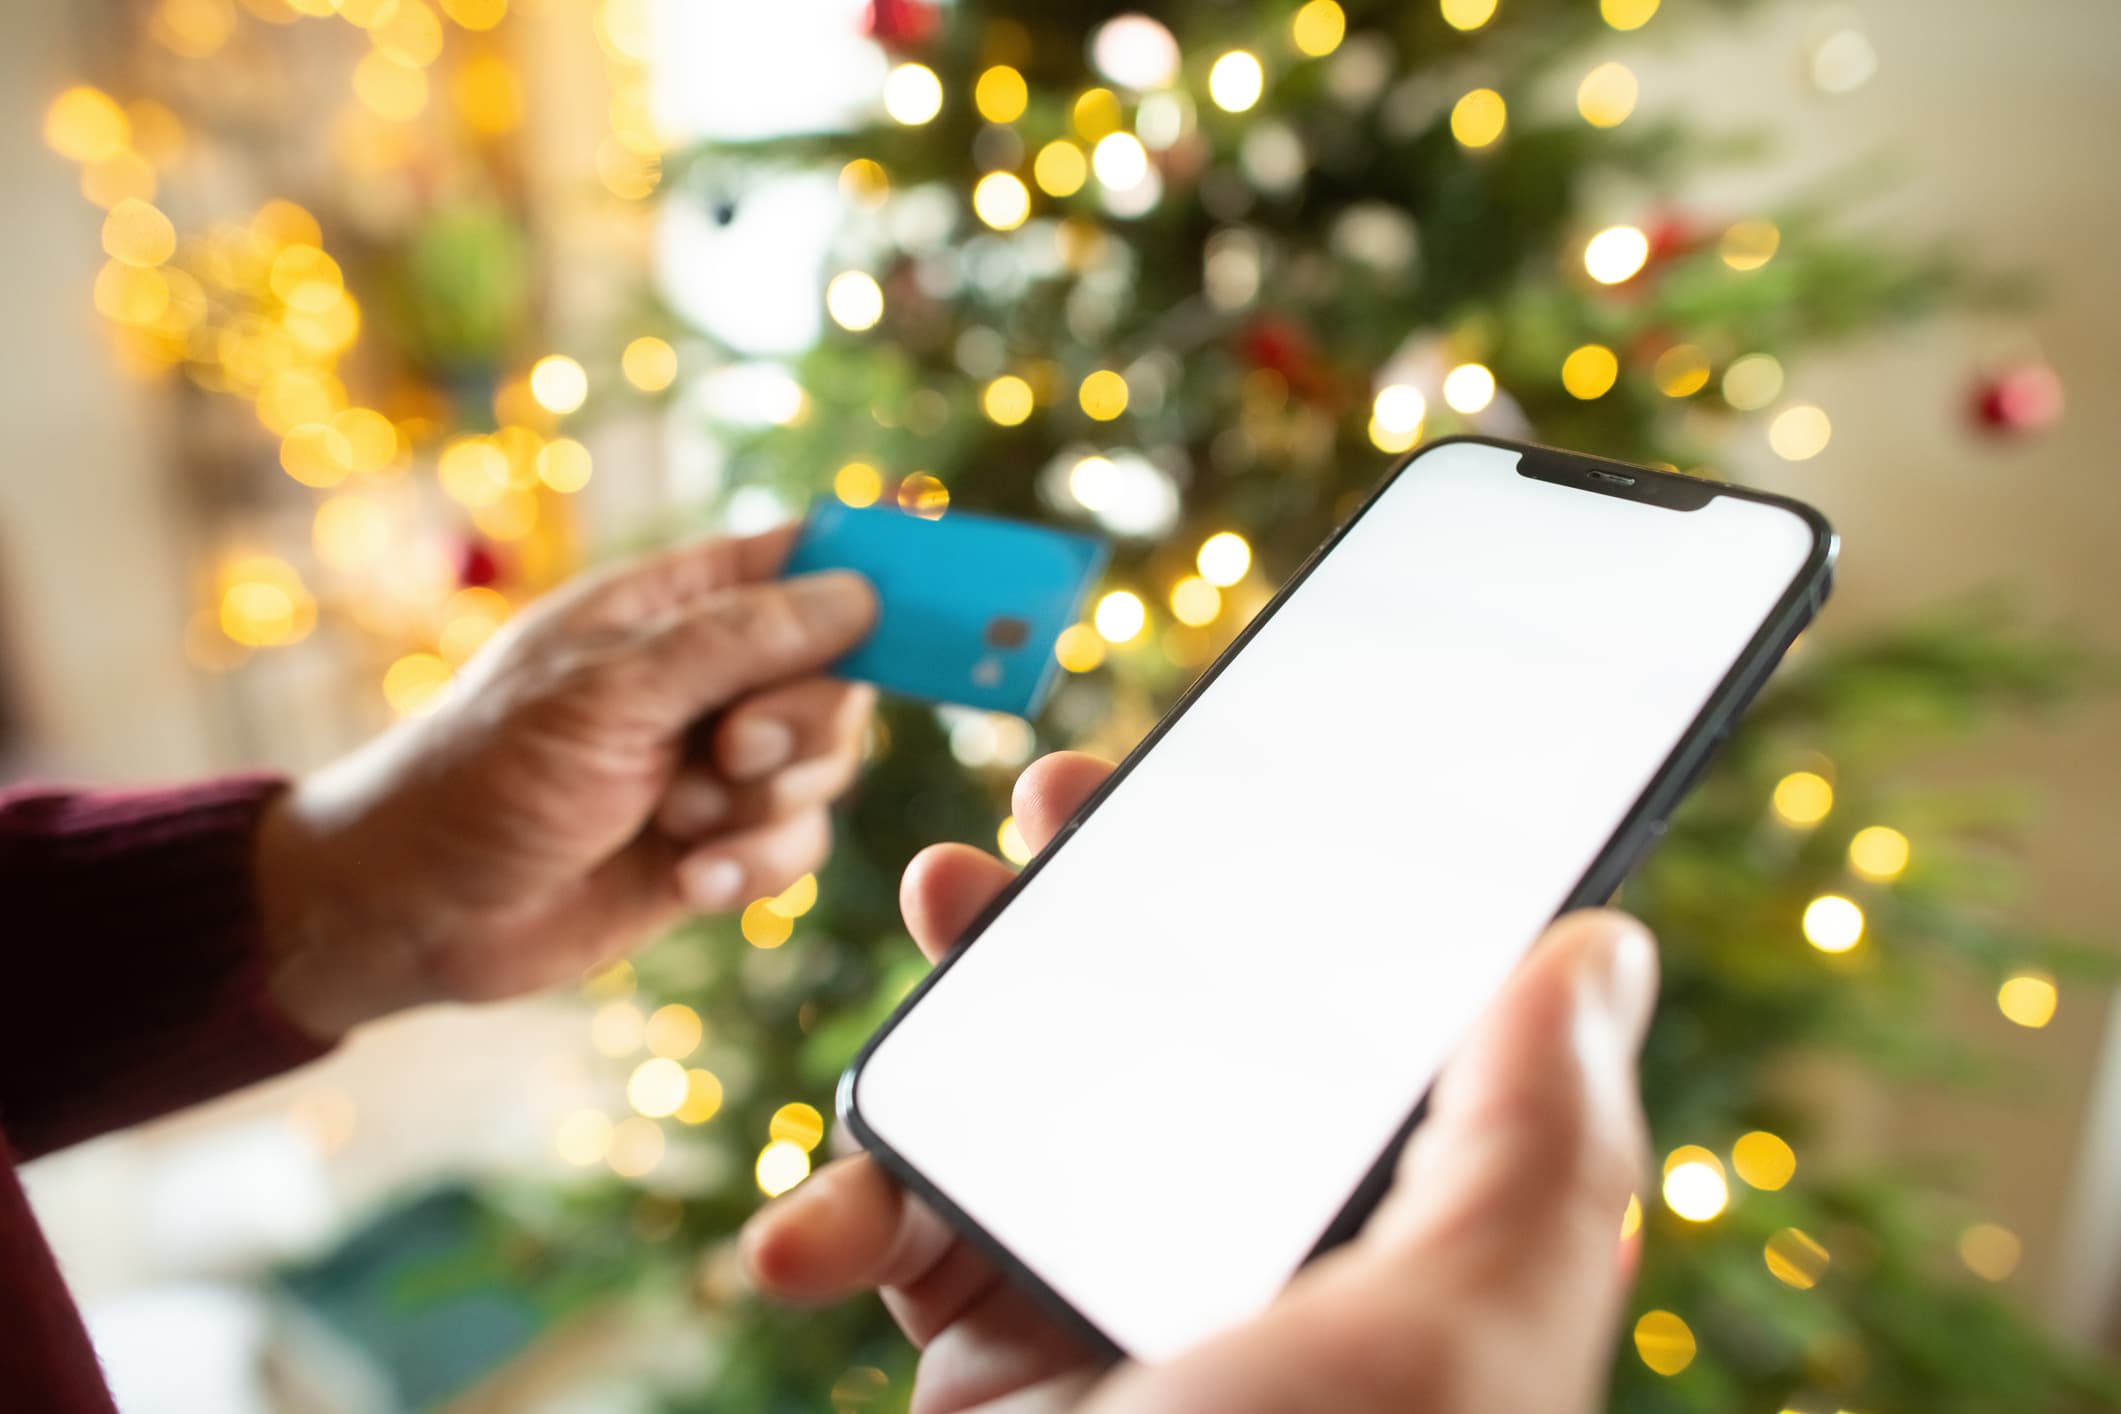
(143, 963)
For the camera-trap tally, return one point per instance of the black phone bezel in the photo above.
(1638, 829)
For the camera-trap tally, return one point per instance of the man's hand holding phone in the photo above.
(1490, 1278)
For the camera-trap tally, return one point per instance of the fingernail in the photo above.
(692, 804)
(1620, 971)
(752, 746)
(834, 603)
(712, 884)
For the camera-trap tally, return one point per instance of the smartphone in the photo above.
(970, 606)
(1175, 1059)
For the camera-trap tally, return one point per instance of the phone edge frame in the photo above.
(1639, 828)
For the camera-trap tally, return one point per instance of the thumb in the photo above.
(748, 636)
(1535, 1140)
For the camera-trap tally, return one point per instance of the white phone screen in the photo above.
(1160, 1073)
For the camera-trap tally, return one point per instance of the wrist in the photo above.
(333, 962)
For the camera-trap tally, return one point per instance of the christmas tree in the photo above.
(1195, 280)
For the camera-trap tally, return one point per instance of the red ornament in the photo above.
(2020, 400)
(1285, 347)
(1672, 235)
(901, 24)
(478, 567)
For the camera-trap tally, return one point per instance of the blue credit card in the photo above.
(971, 605)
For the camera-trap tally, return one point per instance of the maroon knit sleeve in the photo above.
(134, 980)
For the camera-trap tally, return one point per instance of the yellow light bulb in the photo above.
(558, 383)
(1796, 1258)
(1237, 81)
(913, 95)
(1468, 14)
(923, 495)
(649, 363)
(1103, 395)
(1802, 798)
(1096, 114)
(1223, 559)
(797, 899)
(1590, 372)
(764, 927)
(798, 1124)
(1764, 1161)
(1399, 409)
(858, 484)
(1752, 382)
(657, 1087)
(1001, 95)
(1694, 1185)
(675, 1031)
(1616, 254)
(781, 1166)
(864, 182)
(1748, 245)
(2028, 998)
(138, 234)
(1001, 200)
(703, 1097)
(1879, 852)
(1009, 838)
(414, 683)
(86, 125)
(1627, 14)
(1664, 1342)
(1478, 119)
(1194, 601)
(564, 465)
(854, 300)
(1120, 617)
(1079, 649)
(1060, 169)
(1120, 161)
(1468, 388)
(1681, 371)
(1607, 95)
(1800, 432)
(1832, 923)
(1318, 28)
(1990, 1251)
(1007, 401)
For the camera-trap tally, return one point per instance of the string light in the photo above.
(2028, 998)
(657, 1087)
(411, 34)
(1478, 118)
(1694, 1185)
(1752, 382)
(1468, 14)
(1120, 161)
(1060, 169)
(1616, 254)
(674, 1031)
(264, 603)
(1007, 400)
(1748, 245)
(923, 495)
(1631, 1217)
(86, 125)
(117, 178)
(913, 95)
(1079, 649)
(1120, 617)
(1681, 371)
(1094, 482)
(1224, 558)
(1796, 1258)
(636, 1147)
(1195, 602)
(1468, 388)
(1318, 28)
(1664, 1342)
(1398, 410)
(1237, 81)
(1832, 923)
(1879, 852)
(1802, 798)
(1606, 97)
(1590, 372)
(1096, 114)
(797, 899)
(1001, 95)
(864, 182)
(138, 234)
(1103, 395)
(617, 1029)
(858, 484)
(583, 1138)
(781, 1166)
(798, 1124)
(1009, 837)
(854, 300)
(650, 364)
(564, 465)
(1627, 14)
(1764, 1161)
(559, 384)
(1800, 432)
(414, 683)
(703, 1097)
(1001, 200)
(763, 927)
(1990, 1251)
